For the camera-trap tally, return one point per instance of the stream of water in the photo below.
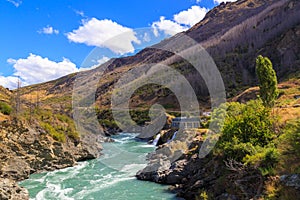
(110, 177)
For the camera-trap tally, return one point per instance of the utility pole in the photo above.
(30, 110)
(18, 97)
(37, 100)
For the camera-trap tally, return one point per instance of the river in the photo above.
(109, 177)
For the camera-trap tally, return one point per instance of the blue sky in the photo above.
(45, 39)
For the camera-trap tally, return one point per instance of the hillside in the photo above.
(233, 33)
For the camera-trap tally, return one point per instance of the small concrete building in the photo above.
(185, 122)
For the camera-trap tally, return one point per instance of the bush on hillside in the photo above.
(5, 108)
(247, 135)
(289, 146)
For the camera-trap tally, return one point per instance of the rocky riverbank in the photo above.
(25, 150)
(211, 177)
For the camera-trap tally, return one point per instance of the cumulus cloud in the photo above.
(16, 3)
(105, 33)
(191, 16)
(35, 69)
(181, 21)
(49, 30)
(220, 1)
(169, 27)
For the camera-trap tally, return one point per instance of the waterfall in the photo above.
(155, 141)
(173, 137)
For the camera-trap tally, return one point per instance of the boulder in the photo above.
(292, 180)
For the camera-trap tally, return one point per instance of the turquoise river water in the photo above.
(110, 177)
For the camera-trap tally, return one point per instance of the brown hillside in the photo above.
(234, 34)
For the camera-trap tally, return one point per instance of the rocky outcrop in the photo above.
(188, 175)
(163, 159)
(24, 150)
(9, 190)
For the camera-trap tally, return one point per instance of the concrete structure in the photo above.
(186, 123)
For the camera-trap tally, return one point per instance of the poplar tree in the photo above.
(267, 81)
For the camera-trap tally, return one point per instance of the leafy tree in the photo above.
(267, 81)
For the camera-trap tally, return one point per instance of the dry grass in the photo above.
(3, 117)
(287, 114)
(36, 95)
(5, 94)
(285, 106)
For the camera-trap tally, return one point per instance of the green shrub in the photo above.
(247, 135)
(108, 123)
(55, 134)
(57, 125)
(291, 136)
(67, 126)
(289, 147)
(265, 159)
(238, 151)
(5, 108)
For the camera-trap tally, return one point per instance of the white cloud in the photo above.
(9, 81)
(169, 27)
(191, 16)
(99, 62)
(80, 13)
(181, 21)
(35, 69)
(16, 3)
(105, 33)
(49, 30)
(220, 1)
(104, 59)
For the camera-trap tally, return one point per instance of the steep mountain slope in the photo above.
(270, 28)
(233, 33)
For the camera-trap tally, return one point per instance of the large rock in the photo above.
(9, 190)
(155, 170)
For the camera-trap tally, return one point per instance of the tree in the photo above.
(267, 81)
